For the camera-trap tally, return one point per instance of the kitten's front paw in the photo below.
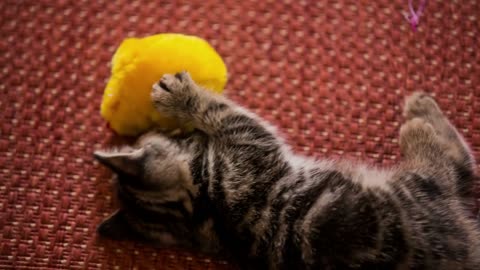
(174, 95)
(421, 105)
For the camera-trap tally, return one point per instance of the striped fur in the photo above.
(235, 186)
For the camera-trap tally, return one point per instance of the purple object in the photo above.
(414, 16)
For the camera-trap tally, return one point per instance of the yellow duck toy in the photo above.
(140, 62)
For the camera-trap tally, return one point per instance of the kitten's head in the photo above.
(153, 163)
(155, 189)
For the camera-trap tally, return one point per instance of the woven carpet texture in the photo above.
(332, 75)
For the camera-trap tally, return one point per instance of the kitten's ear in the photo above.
(122, 162)
(114, 226)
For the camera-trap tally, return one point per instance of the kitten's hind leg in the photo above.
(428, 134)
(423, 106)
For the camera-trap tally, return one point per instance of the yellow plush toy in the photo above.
(140, 62)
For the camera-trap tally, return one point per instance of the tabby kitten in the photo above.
(234, 185)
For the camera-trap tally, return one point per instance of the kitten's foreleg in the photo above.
(180, 97)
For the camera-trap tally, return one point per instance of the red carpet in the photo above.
(331, 74)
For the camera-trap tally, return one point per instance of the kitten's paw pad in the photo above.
(420, 104)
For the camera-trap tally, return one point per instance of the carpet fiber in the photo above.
(332, 75)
